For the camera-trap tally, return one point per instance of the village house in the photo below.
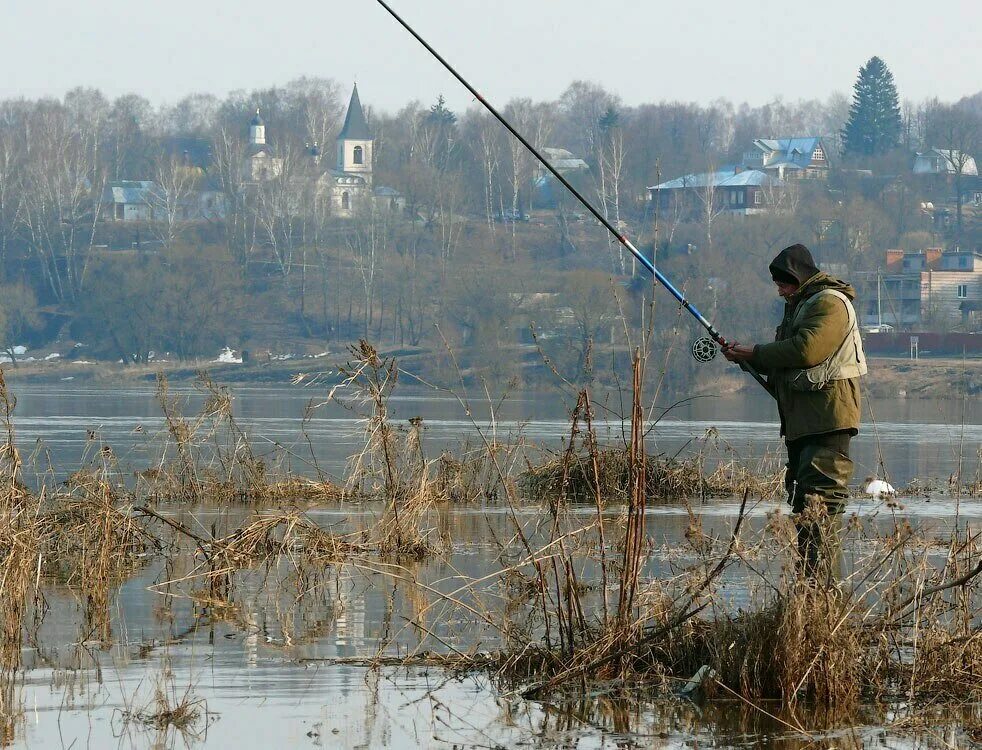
(929, 289)
(546, 188)
(789, 158)
(944, 161)
(132, 201)
(757, 185)
(733, 190)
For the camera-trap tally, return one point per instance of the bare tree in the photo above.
(710, 204)
(488, 139)
(318, 104)
(282, 204)
(369, 243)
(63, 184)
(956, 131)
(11, 191)
(240, 221)
(177, 184)
(610, 165)
(535, 123)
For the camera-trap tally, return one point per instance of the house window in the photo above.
(359, 155)
(963, 291)
(758, 198)
(818, 154)
(345, 200)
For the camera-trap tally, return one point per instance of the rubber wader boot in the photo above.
(819, 543)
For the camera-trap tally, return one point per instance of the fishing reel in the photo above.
(704, 350)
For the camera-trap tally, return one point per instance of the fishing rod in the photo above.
(704, 349)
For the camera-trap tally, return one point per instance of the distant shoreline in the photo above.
(889, 377)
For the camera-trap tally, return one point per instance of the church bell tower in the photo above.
(355, 141)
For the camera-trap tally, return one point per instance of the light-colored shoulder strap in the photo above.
(850, 311)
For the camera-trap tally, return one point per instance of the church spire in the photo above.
(355, 126)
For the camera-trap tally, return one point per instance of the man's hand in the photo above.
(737, 353)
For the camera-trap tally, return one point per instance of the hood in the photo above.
(820, 281)
(795, 262)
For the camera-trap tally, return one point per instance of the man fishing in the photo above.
(813, 374)
(813, 369)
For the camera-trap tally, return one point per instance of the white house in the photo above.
(944, 161)
(925, 287)
(133, 200)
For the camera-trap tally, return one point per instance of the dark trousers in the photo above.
(817, 481)
(819, 468)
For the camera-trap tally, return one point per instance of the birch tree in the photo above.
(11, 189)
(240, 222)
(62, 185)
(177, 183)
(710, 205)
(610, 166)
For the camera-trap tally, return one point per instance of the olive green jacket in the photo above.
(806, 343)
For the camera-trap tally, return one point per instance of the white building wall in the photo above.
(136, 212)
(346, 157)
(939, 292)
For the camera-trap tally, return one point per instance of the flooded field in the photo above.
(287, 660)
(916, 438)
(311, 622)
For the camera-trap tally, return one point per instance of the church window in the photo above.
(359, 155)
(345, 200)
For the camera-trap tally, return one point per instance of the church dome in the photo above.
(257, 121)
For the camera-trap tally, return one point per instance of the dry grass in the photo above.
(578, 606)
(665, 479)
(163, 713)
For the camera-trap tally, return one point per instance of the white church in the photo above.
(348, 186)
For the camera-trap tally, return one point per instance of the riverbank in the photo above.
(888, 377)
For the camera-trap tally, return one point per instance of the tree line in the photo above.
(278, 263)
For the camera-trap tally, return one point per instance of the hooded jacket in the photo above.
(806, 342)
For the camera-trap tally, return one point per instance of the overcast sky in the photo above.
(643, 50)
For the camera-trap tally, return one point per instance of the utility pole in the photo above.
(879, 310)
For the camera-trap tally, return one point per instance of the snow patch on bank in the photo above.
(227, 356)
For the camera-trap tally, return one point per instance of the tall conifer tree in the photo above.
(874, 118)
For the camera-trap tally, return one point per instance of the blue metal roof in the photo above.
(795, 150)
(143, 192)
(723, 178)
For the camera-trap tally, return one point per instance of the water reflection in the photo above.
(271, 657)
(916, 438)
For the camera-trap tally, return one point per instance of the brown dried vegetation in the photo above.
(574, 603)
